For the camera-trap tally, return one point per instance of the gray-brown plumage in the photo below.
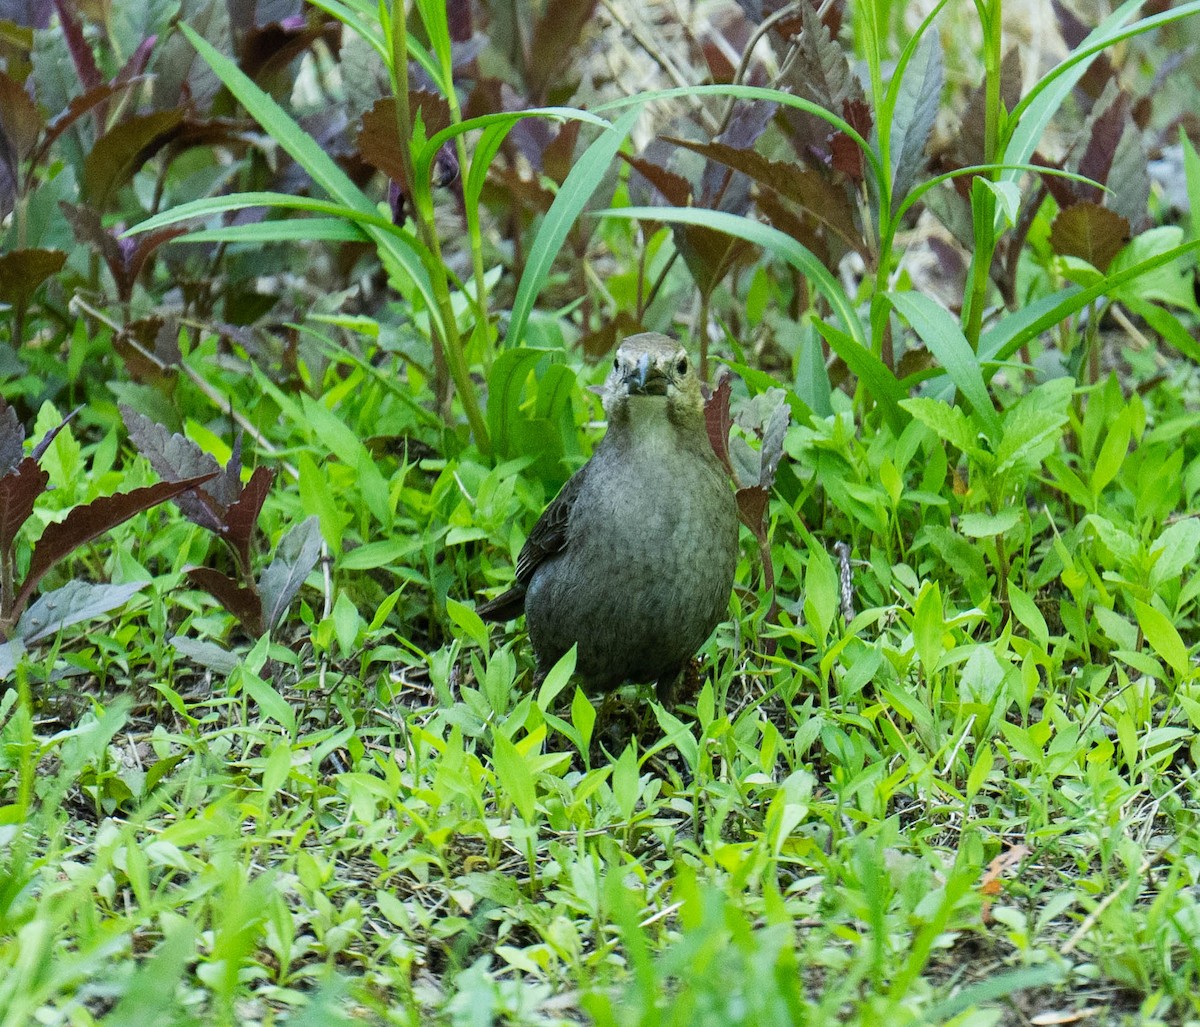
(634, 559)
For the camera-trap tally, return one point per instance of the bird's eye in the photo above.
(616, 363)
(681, 365)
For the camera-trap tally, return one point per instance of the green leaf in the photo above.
(558, 679)
(945, 340)
(506, 385)
(1026, 611)
(950, 423)
(1033, 426)
(514, 776)
(820, 593)
(583, 716)
(1163, 637)
(874, 374)
(929, 626)
(1112, 453)
(270, 703)
(626, 784)
(985, 525)
(582, 181)
(282, 230)
(469, 623)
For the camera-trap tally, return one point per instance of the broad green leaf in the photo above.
(469, 623)
(557, 679)
(984, 525)
(1112, 453)
(514, 777)
(1026, 611)
(945, 340)
(950, 424)
(626, 782)
(929, 626)
(820, 593)
(506, 385)
(270, 703)
(1163, 637)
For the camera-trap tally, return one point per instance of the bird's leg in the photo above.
(664, 690)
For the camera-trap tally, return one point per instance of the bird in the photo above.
(633, 561)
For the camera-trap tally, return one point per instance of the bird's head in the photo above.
(649, 366)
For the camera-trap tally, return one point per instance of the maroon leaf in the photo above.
(19, 489)
(676, 188)
(821, 73)
(752, 503)
(120, 152)
(174, 457)
(135, 67)
(554, 36)
(1104, 133)
(240, 600)
(558, 156)
(144, 249)
(379, 139)
(149, 347)
(22, 271)
(847, 155)
(242, 518)
(600, 342)
(1073, 31)
(821, 199)
(717, 420)
(1091, 232)
(20, 118)
(81, 54)
(799, 224)
(75, 110)
(85, 523)
(89, 229)
(968, 146)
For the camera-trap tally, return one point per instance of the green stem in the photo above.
(448, 352)
(983, 200)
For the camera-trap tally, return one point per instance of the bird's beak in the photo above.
(646, 379)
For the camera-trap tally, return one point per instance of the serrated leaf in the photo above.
(174, 456)
(19, 490)
(84, 523)
(916, 110)
(821, 198)
(1090, 232)
(296, 556)
(242, 601)
(76, 601)
(950, 423)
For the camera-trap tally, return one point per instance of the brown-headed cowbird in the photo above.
(634, 559)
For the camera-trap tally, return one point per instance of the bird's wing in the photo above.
(549, 534)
